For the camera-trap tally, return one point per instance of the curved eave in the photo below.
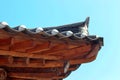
(52, 51)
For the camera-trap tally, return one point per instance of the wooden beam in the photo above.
(47, 63)
(30, 69)
(36, 76)
(4, 59)
(21, 45)
(4, 34)
(40, 70)
(94, 51)
(51, 64)
(69, 53)
(12, 78)
(40, 47)
(59, 51)
(61, 69)
(73, 67)
(5, 43)
(55, 49)
(20, 36)
(29, 55)
(82, 60)
(77, 52)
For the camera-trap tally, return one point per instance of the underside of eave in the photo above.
(45, 54)
(22, 53)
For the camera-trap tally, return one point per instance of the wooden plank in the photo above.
(36, 76)
(72, 69)
(40, 70)
(28, 70)
(5, 43)
(54, 49)
(4, 34)
(4, 59)
(39, 48)
(82, 60)
(78, 52)
(94, 51)
(29, 55)
(69, 53)
(12, 78)
(50, 64)
(21, 45)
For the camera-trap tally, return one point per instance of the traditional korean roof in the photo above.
(53, 51)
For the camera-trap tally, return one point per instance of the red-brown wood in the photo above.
(33, 57)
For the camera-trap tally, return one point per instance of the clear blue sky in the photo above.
(104, 21)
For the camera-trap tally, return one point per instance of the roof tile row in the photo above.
(75, 30)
